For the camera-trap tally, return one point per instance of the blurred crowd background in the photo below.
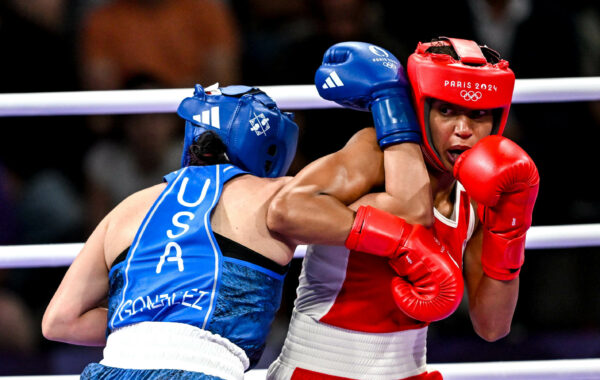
(60, 175)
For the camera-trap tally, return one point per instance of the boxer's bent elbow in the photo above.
(411, 209)
(421, 215)
(492, 333)
(280, 215)
(418, 208)
(52, 325)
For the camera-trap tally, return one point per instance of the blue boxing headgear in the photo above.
(259, 137)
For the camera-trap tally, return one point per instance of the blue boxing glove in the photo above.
(366, 77)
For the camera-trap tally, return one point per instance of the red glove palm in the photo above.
(431, 284)
(504, 181)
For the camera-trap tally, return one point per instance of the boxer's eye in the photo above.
(477, 114)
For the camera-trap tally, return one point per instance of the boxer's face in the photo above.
(455, 129)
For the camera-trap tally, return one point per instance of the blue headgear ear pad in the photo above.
(259, 137)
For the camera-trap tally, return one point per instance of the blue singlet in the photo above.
(175, 270)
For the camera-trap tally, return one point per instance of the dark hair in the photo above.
(490, 55)
(207, 149)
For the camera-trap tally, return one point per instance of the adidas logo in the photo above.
(209, 117)
(333, 80)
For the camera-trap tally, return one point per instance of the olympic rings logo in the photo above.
(471, 96)
(378, 51)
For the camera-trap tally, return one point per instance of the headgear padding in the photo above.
(259, 137)
(469, 81)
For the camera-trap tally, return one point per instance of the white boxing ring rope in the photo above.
(299, 97)
(579, 369)
(294, 97)
(55, 255)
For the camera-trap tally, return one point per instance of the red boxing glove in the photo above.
(504, 181)
(431, 285)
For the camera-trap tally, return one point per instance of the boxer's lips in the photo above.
(456, 151)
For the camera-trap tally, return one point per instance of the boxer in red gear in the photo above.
(346, 322)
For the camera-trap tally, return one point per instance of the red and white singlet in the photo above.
(345, 322)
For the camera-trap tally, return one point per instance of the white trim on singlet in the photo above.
(324, 271)
(208, 230)
(455, 217)
(472, 219)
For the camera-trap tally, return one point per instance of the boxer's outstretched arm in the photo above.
(75, 314)
(313, 207)
(492, 302)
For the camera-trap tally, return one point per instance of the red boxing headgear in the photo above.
(471, 82)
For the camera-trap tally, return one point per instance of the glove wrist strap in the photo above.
(502, 257)
(377, 232)
(394, 118)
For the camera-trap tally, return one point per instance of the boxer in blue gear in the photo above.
(192, 275)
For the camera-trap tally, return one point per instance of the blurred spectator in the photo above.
(496, 22)
(179, 42)
(414, 21)
(9, 227)
(288, 51)
(49, 14)
(17, 329)
(587, 18)
(142, 149)
(353, 20)
(588, 33)
(18, 333)
(269, 28)
(50, 209)
(522, 30)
